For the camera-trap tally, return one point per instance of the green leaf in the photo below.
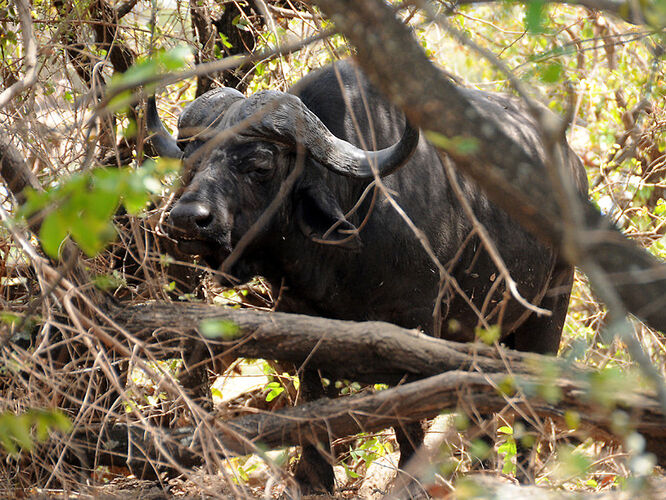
(9, 318)
(276, 390)
(572, 463)
(572, 419)
(551, 73)
(108, 282)
(16, 429)
(216, 393)
(175, 58)
(507, 387)
(506, 430)
(219, 328)
(120, 101)
(479, 449)
(488, 335)
(350, 473)
(52, 233)
(225, 41)
(535, 17)
(57, 420)
(459, 145)
(92, 235)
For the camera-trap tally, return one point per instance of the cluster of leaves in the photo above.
(146, 73)
(83, 205)
(19, 432)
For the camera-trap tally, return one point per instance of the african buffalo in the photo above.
(363, 264)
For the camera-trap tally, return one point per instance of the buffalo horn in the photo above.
(290, 121)
(164, 144)
(346, 159)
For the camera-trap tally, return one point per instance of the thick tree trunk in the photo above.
(369, 352)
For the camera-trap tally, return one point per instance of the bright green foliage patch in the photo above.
(215, 328)
(145, 71)
(20, 431)
(83, 205)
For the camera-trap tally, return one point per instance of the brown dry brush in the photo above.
(50, 357)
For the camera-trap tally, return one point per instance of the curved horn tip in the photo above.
(385, 161)
(162, 141)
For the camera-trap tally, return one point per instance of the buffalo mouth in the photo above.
(192, 246)
(211, 252)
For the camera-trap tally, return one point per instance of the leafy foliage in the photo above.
(18, 432)
(83, 205)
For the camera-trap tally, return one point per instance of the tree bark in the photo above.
(14, 170)
(373, 352)
(330, 419)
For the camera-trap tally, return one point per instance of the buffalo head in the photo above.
(243, 149)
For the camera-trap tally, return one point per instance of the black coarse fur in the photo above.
(383, 272)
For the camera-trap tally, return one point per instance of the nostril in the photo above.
(186, 216)
(204, 220)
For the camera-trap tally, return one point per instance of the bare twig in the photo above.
(29, 55)
(629, 11)
(488, 242)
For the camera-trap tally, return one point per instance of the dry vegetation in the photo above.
(63, 370)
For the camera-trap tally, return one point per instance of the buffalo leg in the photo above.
(314, 471)
(410, 438)
(541, 335)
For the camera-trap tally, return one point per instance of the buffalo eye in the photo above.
(256, 165)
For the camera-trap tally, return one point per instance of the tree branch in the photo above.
(374, 351)
(325, 418)
(511, 177)
(29, 55)
(14, 170)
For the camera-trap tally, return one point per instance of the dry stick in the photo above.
(488, 242)
(292, 14)
(351, 212)
(30, 55)
(627, 10)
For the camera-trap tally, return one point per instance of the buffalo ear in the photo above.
(316, 211)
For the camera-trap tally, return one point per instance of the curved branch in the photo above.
(30, 55)
(628, 11)
(326, 418)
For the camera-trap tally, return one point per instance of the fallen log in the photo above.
(373, 352)
(326, 418)
(370, 352)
